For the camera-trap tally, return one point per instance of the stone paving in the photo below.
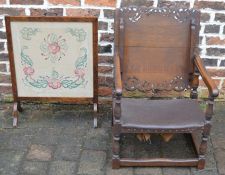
(60, 140)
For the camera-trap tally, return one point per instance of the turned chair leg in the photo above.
(205, 133)
(16, 109)
(202, 152)
(116, 151)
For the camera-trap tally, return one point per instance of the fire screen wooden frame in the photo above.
(53, 59)
(158, 37)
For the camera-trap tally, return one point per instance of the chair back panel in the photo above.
(156, 48)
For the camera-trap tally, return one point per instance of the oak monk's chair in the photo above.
(156, 55)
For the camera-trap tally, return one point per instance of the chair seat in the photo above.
(161, 114)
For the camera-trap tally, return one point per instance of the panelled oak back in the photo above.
(156, 47)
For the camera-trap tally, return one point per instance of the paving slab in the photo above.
(40, 153)
(220, 159)
(121, 171)
(62, 168)
(67, 152)
(34, 168)
(92, 162)
(10, 161)
(97, 139)
(176, 171)
(148, 171)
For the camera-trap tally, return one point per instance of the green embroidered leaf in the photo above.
(25, 59)
(27, 32)
(55, 74)
(40, 83)
(82, 61)
(80, 34)
(52, 37)
(70, 84)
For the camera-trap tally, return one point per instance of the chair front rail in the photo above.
(158, 162)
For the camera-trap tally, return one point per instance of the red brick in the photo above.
(107, 37)
(27, 2)
(105, 69)
(2, 68)
(83, 12)
(212, 28)
(215, 51)
(65, 2)
(180, 4)
(110, 3)
(210, 62)
(105, 81)
(5, 90)
(4, 57)
(205, 17)
(102, 25)
(216, 72)
(147, 3)
(105, 49)
(5, 78)
(1, 23)
(222, 63)
(105, 59)
(2, 47)
(47, 12)
(104, 91)
(215, 41)
(12, 11)
(202, 84)
(2, 35)
(2, 1)
(220, 17)
(109, 14)
(209, 4)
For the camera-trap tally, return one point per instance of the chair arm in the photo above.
(213, 90)
(118, 80)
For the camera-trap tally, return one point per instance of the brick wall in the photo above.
(212, 33)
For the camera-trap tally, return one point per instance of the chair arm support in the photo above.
(118, 80)
(213, 90)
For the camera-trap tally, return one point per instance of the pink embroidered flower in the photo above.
(80, 73)
(54, 48)
(28, 71)
(54, 83)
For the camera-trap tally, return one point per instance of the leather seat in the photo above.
(163, 114)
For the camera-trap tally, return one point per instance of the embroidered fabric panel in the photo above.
(53, 59)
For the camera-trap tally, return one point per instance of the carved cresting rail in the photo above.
(181, 15)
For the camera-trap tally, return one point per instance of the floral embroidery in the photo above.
(27, 32)
(81, 65)
(53, 47)
(80, 34)
(55, 81)
(25, 59)
(28, 71)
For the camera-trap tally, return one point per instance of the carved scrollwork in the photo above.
(180, 15)
(176, 84)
